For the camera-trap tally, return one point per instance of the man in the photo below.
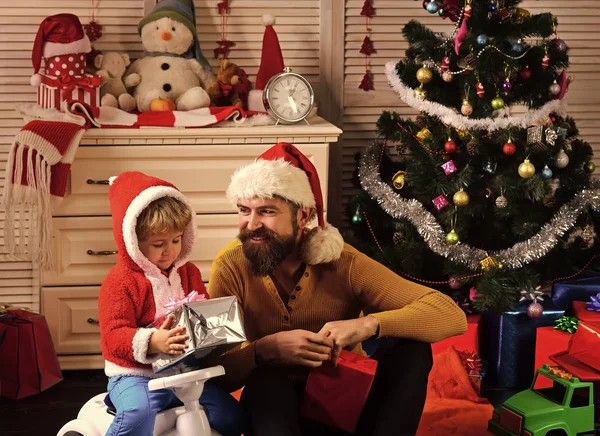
(302, 293)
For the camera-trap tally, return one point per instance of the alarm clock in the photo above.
(288, 97)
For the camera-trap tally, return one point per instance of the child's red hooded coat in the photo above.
(135, 291)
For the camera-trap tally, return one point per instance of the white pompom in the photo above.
(112, 179)
(268, 19)
(35, 80)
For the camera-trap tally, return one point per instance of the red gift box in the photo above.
(468, 341)
(548, 341)
(580, 311)
(335, 396)
(585, 344)
(29, 364)
(54, 90)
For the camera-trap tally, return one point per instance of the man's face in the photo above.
(268, 231)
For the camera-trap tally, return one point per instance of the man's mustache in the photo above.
(258, 233)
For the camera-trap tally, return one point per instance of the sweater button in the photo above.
(298, 288)
(305, 274)
(286, 318)
(293, 297)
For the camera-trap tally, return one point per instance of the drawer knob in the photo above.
(97, 182)
(93, 321)
(101, 253)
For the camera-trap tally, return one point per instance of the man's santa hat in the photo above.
(57, 35)
(283, 171)
(271, 63)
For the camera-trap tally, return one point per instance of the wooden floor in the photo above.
(45, 413)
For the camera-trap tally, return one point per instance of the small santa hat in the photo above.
(271, 63)
(57, 35)
(285, 172)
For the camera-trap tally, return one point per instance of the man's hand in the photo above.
(348, 333)
(166, 340)
(296, 347)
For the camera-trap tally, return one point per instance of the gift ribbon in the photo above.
(471, 362)
(594, 303)
(82, 82)
(566, 324)
(175, 303)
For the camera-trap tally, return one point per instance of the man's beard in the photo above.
(265, 258)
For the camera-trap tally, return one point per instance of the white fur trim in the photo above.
(56, 49)
(113, 370)
(112, 179)
(450, 117)
(254, 120)
(35, 80)
(268, 178)
(268, 20)
(255, 101)
(322, 245)
(162, 288)
(141, 340)
(35, 111)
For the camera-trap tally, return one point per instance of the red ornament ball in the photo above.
(525, 73)
(535, 310)
(450, 146)
(454, 283)
(509, 148)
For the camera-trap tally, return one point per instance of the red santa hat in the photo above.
(271, 63)
(57, 35)
(285, 172)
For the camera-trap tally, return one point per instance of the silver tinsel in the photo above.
(428, 227)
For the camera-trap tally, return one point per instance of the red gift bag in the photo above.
(29, 364)
(585, 344)
(335, 396)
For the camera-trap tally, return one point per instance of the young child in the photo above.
(155, 229)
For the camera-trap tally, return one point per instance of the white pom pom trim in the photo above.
(268, 19)
(112, 179)
(35, 80)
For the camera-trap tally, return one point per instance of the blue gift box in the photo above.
(507, 343)
(580, 289)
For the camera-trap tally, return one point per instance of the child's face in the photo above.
(162, 248)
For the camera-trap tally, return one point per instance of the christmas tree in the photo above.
(488, 196)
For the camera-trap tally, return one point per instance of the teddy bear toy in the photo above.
(224, 91)
(113, 86)
(173, 67)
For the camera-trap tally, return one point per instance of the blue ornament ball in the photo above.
(482, 39)
(547, 173)
(518, 48)
(492, 7)
(432, 7)
(425, 3)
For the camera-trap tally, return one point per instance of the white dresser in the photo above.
(198, 161)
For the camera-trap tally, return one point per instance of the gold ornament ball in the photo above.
(463, 134)
(535, 310)
(420, 93)
(424, 75)
(590, 167)
(424, 134)
(398, 180)
(501, 202)
(447, 76)
(466, 109)
(526, 169)
(452, 238)
(497, 103)
(460, 198)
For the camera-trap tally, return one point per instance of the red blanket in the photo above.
(113, 117)
(453, 408)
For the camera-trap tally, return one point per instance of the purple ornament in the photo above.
(449, 167)
(506, 86)
(535, 310)
(440, 202)
(454, 283)
(594, 303)
(560, 45)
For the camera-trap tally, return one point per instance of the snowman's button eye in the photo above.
(166, 87)
(173, 29)
(156, 27)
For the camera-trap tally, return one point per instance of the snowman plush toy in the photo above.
(173, 67)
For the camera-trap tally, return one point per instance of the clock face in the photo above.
(290, 97)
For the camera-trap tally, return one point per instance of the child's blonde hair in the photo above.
(166, 214)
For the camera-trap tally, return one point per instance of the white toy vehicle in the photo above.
(94, 418)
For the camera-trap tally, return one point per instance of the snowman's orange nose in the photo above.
(165, 36)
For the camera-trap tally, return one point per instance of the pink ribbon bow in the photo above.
(82, 81)
(176, 303)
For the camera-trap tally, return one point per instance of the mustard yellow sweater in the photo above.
(328, 292)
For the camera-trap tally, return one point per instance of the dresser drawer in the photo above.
(202, 173)
(82, 246)
(72, 315)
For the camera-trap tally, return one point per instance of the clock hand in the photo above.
(293, 104)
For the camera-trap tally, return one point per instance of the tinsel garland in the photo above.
(452, 118)
(517, 256)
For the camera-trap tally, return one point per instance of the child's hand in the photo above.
(169, 341)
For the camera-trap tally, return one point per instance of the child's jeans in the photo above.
(137, 407)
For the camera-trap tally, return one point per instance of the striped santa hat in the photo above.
(285, 172)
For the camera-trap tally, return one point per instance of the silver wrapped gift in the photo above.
(213, 326)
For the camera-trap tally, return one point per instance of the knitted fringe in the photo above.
(30, 204)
